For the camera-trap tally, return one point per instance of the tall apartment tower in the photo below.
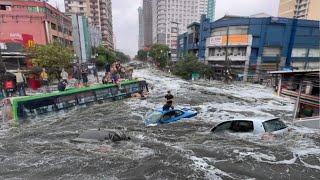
(147, 22)
(300, 9)
(211, 9)
(99, 13)
(171, 17)
(140, 38)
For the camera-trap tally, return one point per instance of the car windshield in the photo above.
(273, 125)
(153, 117)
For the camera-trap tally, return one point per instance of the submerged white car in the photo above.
(257, 125)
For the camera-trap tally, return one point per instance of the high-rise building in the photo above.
(147, 22)
(211, 9)
(141, 27)
(300, 9)
(99, 13)
(140, 38)
(171, 17)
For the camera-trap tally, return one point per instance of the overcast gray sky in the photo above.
(125, 17)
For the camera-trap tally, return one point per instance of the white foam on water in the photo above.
(212, 172)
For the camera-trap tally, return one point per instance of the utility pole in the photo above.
(227, 61)
(277, 69)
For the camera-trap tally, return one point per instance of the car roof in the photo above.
(255, 118)
(163, 111)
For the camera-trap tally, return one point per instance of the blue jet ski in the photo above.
(160, 116)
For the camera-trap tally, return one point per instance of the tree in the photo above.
(105, 56)
(142, 55)
(53, 57)
(123, 58)
(159, 54)
(189, 65)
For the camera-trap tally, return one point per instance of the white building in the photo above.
(171, 17)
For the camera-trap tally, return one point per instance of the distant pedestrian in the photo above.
(44, 80)
(107, 67)
(76, 74)
(106, 79)
(64, 75)
(95, 72)
(122, 73)
(129, 72)
(21, 81)
(62, 85)
(84, 74)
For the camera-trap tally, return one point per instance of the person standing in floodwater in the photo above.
(64, 75)
(21, 81)
(169, 97)
(44, 80)
(84, 73)
(107, 67)
(95, 72)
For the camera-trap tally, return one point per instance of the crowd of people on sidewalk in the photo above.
(114, 74)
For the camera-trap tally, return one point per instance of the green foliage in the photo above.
(105, 55)
(190, 64)
(159, 54)
(53, 57)
(120, 56)
(108, 56)
(101, 61)
(142, 55)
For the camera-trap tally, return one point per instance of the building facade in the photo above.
(141, 27)
(211, 9)
(99, 13)
(147, 22)
(82, 38)
(171, 17)
(24, 24)
(39, 19)
(300, 9)
(255, 45)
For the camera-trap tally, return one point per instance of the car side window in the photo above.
(242, 126)
(178, 113)
(222, 127)
(168, 116)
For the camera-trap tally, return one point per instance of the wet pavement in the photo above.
(41, 148)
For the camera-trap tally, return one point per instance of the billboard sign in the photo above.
(217, 40)
(233, 40)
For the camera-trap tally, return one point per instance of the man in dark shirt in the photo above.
(107, 67)
(169, 97)
(61, 85)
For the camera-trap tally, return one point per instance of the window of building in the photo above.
(271, 51)
(59, 28)
(314, 53)
(299, 52)
(53, 26)
(81, 8)
(80, 3)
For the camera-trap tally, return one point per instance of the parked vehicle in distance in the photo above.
(159, 116)
(267, 126)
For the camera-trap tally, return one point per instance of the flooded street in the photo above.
(41, 148)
